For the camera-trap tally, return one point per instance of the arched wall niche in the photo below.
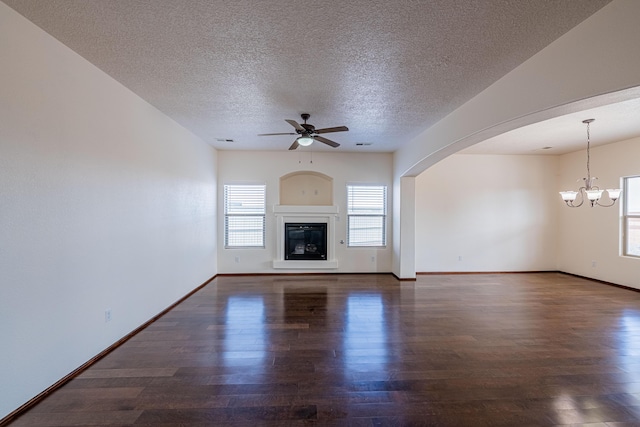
(306, 188)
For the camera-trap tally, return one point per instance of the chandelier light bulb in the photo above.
(614, 193)
(594, 195)
(569, 195)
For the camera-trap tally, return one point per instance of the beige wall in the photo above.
(503, 213)
(592, 235)
(105, 203)
(237, 167)
(486, 213)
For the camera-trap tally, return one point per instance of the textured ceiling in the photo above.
(234, 69)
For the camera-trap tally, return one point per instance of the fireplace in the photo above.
(292, 251)
(305, 241)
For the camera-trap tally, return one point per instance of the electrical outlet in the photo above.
(594, 264)
(107, 315)
(373, 259)
(459, 257)
(237, 259)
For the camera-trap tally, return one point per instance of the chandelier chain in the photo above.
(588, 154)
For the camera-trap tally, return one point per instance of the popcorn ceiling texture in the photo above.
(233, 69)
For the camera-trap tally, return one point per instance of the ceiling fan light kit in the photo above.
(308, 133)
(588, 190)
(305, 141)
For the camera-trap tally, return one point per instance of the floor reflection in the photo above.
(628, 343)
(305, 305)
(365, 338)
(625, 339)
(457, 350)
(245, 334)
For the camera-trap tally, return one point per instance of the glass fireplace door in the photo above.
(305, 241)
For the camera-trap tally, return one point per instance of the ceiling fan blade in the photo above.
(335, 129)
(294, 145)
(326, 141)
(272, 134)
(295, 124)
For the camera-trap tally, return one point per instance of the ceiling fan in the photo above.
(308, 133)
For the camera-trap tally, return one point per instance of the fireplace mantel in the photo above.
(301, 214)
(305, 210)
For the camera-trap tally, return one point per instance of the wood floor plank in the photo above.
(369, 350)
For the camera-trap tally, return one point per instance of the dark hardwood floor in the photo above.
(366, 350)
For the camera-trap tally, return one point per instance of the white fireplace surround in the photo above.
(317, 214)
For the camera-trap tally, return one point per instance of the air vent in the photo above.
(360, 144)
(224, 140)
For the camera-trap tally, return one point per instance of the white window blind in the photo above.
(244, 216)
(631, 215)
(367, 213)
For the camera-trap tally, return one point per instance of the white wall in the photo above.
(508, 215)
(593, 234)
(404, 211)
(236, 167)
(105, 203)
(487, 213)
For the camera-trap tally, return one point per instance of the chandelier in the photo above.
(588, 190)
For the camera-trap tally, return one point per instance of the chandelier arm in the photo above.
(571, 205)
(582, 197)
(606, 206)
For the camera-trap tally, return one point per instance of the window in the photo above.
(244, 214)
(631, 215)
(367, 215)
